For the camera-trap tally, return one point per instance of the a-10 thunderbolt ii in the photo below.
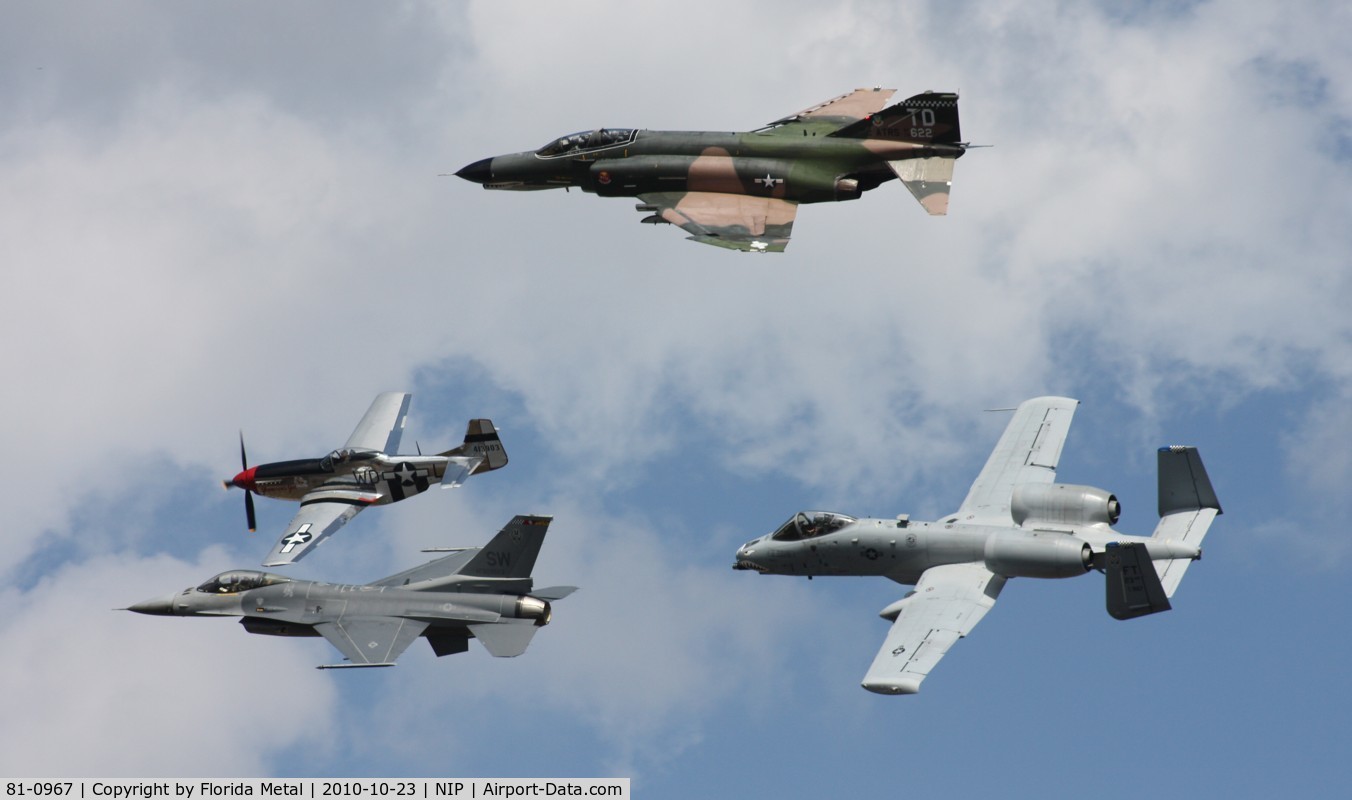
(742, 190)
(482, 593)
(365, 471)
(1017, 522)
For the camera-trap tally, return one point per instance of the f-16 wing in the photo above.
(383, 425)
(735, 221)
(947, 603)
(321, 513)
(1027, 452)
(370, 641)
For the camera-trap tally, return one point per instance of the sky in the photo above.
(218, 218)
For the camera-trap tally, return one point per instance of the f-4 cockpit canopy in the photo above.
(811, 524)
(240, 580)
(587, 140)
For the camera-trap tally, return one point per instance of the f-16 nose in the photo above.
(244, 480)
(161, 606)
(480, 171)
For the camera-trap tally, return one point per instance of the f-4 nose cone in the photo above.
(161, 606)
(480, 171)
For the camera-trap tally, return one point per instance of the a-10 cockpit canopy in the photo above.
(587, 140)
(240, 580)
(810, 524)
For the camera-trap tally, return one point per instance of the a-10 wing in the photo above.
(948, 602)
(1027, 452)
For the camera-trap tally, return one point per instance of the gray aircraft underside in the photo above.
(1016, 521)
(483, 593)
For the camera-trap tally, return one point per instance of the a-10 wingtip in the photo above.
(893, 686)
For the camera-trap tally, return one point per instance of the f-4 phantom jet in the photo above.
(363, 472)
(481, 593)
(1017, 522)
(742, 190)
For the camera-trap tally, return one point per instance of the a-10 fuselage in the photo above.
(901, 550)
(793, 166)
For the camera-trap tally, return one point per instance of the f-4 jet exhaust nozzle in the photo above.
(533, 608)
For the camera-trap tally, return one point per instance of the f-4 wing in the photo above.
(734, 221)
(947, 603)
(1028, 452)
(321, 513)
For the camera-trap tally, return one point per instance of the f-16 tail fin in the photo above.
(512, 553)
(482, 451)
(1187, 507)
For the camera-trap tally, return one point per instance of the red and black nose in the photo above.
(244, 480)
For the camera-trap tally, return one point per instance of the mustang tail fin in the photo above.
(1187, 507)
(482, 451)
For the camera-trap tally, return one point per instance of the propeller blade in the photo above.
(243, 459)
(249, 510)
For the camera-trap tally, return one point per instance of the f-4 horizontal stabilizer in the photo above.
(1133, 586)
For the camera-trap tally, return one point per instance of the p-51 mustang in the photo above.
(363, 472)
(1016, 522)
(483, 593)
(742, 190)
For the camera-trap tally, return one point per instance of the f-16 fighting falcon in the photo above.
(363, 472)
(742, 190)
(1016, 522)
(482, 593)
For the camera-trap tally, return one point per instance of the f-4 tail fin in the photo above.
(1187, 506)
(482, 451)
(929, 120)
(925, 118)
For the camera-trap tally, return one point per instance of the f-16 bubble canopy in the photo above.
(240, 580)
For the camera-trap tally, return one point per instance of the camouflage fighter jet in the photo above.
(742, 190)
(1017, 522)
(482, 593)
(363, 472)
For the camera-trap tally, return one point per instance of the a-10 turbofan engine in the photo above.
(1063, 504)
(1042, 553)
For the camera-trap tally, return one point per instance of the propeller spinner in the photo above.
(244, 480)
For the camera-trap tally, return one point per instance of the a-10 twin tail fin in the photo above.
(1136, 585)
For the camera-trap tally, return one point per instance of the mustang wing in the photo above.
(735, 221)
(948, 602)
(371, 641)
(383, 424)
(1028, 452)
(841, 111)
(321, 513)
